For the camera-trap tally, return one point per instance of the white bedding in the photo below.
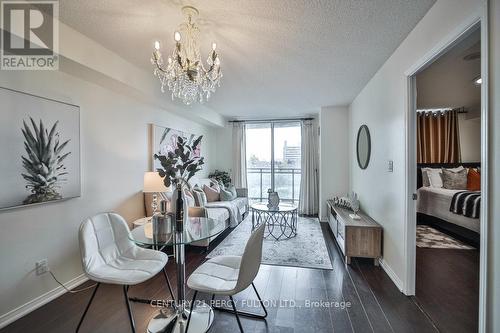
(436, 202)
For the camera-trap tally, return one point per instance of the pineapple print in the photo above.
(43, 164)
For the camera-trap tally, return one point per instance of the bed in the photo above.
(433, 208)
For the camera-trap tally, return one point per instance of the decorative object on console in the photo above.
(341, 202)
(273, 199)
(354, 203)
(41, 150)
(363, 147)
(221, 176)
(153, 183)
(184, 73)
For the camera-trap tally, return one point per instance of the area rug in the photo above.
(307, 249)
(431, 238)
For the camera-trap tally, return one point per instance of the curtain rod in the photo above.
(461, 109)
(268, 120)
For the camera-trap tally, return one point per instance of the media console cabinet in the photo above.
(355, 238)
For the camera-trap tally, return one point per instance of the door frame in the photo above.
(480, 18)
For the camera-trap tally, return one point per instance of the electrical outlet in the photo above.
(42, 266)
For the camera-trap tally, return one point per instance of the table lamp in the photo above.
(153, 183)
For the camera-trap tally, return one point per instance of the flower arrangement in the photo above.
(181, 162)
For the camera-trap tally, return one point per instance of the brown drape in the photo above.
(438, 138)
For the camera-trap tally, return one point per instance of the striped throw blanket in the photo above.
(466, 203)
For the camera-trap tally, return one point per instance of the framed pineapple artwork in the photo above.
(39, 149)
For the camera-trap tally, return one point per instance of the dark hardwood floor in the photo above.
(375, 303)
(447, 287)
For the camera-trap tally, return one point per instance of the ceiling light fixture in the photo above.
(184, 73)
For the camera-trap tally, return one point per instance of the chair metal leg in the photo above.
(191, 310)
(236, 313)
(168, 284)
(87, 307)
(247, 314)
(260, 301)
(130, 316)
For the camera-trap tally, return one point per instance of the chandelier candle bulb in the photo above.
(177, 36)
(157, 45)
(214, 46)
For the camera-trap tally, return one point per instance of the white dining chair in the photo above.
(109, 256)
(229, 275)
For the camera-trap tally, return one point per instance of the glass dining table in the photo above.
(195, 229)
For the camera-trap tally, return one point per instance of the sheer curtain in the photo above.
(438, 138)
(239, 155)
(309, 201)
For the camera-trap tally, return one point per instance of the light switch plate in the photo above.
(390, 166)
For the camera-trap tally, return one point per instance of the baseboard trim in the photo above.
(388, 270)
(41, 300)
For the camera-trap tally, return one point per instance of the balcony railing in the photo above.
(286, 183)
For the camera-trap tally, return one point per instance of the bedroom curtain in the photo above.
(239, 155)
(438, 137)
(308, 198)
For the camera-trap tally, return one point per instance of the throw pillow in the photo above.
(211, 193)
(200, 199)
(455, 180)
(228, 194)
(473, 180)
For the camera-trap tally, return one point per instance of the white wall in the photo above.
(381, 105)
(224, 142)
(334, 156)
(114, 156)
(470, 138)
(493, 291)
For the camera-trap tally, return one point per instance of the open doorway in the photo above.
(448, 156)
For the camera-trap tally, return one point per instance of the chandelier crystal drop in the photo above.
(183, 73)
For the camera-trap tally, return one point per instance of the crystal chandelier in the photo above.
(184, 73)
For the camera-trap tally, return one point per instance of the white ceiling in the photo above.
(280, 58)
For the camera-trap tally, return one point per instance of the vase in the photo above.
(179, 212)
(273, 199)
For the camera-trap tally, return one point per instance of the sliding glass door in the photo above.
(273, 159)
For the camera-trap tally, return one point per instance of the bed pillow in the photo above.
(425, 178)
(435, 176)
(211, 193)
(455, 180)
(474, 180)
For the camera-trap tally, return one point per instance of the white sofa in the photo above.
(212, 209)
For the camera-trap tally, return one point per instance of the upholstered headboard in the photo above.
(441, 165)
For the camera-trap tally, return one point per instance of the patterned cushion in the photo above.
(455, 180)
(228, 194)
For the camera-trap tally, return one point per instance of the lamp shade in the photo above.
(153, 183)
